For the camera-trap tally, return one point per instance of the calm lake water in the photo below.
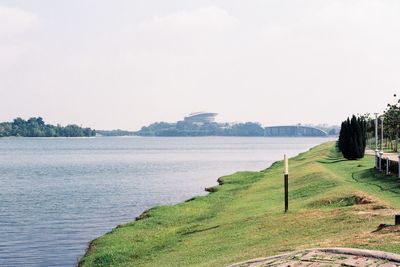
(57, 194)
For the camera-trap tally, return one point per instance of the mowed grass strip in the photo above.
(333, 202)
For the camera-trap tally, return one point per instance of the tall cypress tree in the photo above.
(352, 138)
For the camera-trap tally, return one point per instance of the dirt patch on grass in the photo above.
(344, 201)
(373, 210)
(361, 200)
(387, 229)
(382, 212)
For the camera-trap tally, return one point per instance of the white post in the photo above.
(380, 160)
(286, 161)
(387, 165)
(376, 141)
(398, 175)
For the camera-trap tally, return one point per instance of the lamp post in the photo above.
(381, 152)
(382, 117)
(376, 131)
(376, 140)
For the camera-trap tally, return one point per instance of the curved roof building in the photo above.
(200, 117)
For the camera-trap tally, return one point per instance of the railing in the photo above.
(387, 165)
(390, 166)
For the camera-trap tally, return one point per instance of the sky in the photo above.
(111, 64)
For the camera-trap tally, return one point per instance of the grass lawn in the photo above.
(332, 202)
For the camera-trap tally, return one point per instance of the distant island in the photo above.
(203, 124)
(195, 124)
(36, 127)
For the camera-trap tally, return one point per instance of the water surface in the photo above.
(57, 194)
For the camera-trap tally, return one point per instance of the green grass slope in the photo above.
(333, 202)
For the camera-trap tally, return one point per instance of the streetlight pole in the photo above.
(376, 131)
(376, 140)
(381, 152)
(382, 117)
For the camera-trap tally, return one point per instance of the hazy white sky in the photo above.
(123, 64)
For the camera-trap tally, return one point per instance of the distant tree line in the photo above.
(117, 132)
(352, 137)
(182, 128)
(36, 127)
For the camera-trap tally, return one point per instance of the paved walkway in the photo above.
(327, 257)
(392, 156)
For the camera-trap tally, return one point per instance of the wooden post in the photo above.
(380, 160)
(286, 181)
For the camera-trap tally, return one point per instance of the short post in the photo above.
(286, 180)
(397, 219)
(387, 165)
(398, 165)
(380, 160)
(377, 159)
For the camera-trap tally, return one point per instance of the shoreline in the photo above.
(165, 136)
(242, 218)
(209, 190)
(144, 214)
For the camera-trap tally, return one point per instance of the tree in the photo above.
(5, 129)
(352, 137)
(247, 129)
(36, 127)
(391, 123)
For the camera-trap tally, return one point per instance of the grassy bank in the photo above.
(333, 202)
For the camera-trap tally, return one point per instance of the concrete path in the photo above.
(326, 257)
(392, 156)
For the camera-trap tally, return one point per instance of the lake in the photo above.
(57, 194)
